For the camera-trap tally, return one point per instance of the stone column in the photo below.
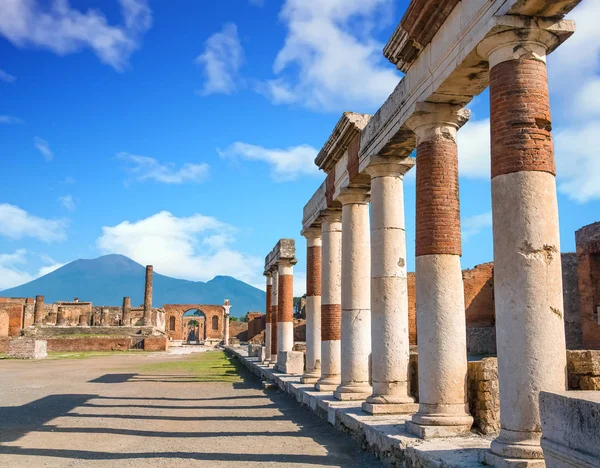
(104, 318)
(285, 305)
(389, 289)
(148, 297)
(530, 333)
(331, 302)
(83, 320)
(38, 311)
(313, 304)
(61, 318)
(441, 324)
(274, 317)
(126, 319)
(356, 296)
(226, 315)
(268, 306)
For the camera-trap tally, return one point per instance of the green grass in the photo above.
(211, 366)
(86, 354)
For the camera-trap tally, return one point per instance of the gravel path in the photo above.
(108, 412)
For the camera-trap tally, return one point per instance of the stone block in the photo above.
(290, 362)
(27, 348)
(583, 362)
(570, 428)
(254, 350)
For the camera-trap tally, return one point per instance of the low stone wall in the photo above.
(584, 370)
(4, 345)
(89, 344)
(27, 348)
(156, 343)
(484, 395)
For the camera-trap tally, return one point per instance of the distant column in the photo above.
(285, 304)
(274, 317)
(83, 320)
(227, 307)
(61, 317)
(313, 304)
(148, 297)
(103, 317)
(126, 320)
(38, 313)
(268, 305)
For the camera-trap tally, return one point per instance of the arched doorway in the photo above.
(194, 326)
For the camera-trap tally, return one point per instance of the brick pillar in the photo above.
(274, 317)
(126, 318)
(285, 305)
(441, 323)
(268, 306)
(356, 296)
(148, 297)
(38, 312)
(331, 302)
(530, 334)
(389, 288)
(313, 304)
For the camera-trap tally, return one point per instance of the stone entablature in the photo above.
(285, 249)
(315, 207)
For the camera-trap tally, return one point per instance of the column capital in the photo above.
(332, 216)
(431, 120)
(268, 273)
(353, 195)
(312, 232)
(286, 263)
(382, 166)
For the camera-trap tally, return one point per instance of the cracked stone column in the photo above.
(331, 301)
(126, 319)
(275, 330)
(356, 296)
(38, 311)
(389, 289)
(285, 305)
(268, 326)
(148, 297)
(313, 304)
(441, 324)
(530, 333)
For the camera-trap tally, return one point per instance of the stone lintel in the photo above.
(315, 207)
(543, 8)
(285, 249)
(348, 127)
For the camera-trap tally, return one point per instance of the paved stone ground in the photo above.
(107, 412)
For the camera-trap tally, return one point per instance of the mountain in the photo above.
(107, 279)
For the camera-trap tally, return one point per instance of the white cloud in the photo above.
(7, 77)
(221, 61)
(16, 223)
(67, 202)
(44, 148)
(65, 30)
(176, 247)
(11, 269)
(473, 225)
(287, 164)
(331, 60)
(474, 145)
(10, 120)
(144, 168)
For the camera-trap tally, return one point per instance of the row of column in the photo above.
(364, 303)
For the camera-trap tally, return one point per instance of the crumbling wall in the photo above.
(484, 395)
(587, 240)
(584, 369)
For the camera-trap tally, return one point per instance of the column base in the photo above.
(352, 392)
(328, 383)
(390, 408)
(518, 445)
(322, 387)
(309, 379)
(434, 432)
(498, 461)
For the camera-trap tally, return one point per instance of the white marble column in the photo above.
(389, 289)
(268, 305)
(331, 301)
(356, 296)
(313, 304)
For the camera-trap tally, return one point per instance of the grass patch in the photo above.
(211, 366)
(3, 355)
(87, 354)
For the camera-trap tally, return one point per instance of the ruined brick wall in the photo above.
(484, 395)
(479, 295)
(238, 330)
(214, 320)
(156, 343)
(73, 310)
(89, 344)
(256, 324)
(584, 369)
(4, 319)
(4, 344)
(587, 240)
(27, 348)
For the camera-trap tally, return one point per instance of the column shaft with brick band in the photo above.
(331, 301)
(274, 317)
(313, 304)
(148, 297)
(356, 296)
(530, 333)
(389, 289)
(268, 305)
(126, 317)
(285, 305)
(441, 323)
(38, 311)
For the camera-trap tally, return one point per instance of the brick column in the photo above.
(126, 319)
(389, 289)
(356, 296)
(38, 311)
(274, 317)
(441, 323)
(285, 306)
(313, 304)
(268, 306)
(530, 333)
(331, 301)
(148, 297)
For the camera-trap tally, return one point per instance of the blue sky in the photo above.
(183, 136)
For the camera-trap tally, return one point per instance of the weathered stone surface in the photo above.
(290, 362)
(27, 348)
(254, 350)
(481, 340)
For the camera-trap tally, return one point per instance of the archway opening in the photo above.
(194, 326)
